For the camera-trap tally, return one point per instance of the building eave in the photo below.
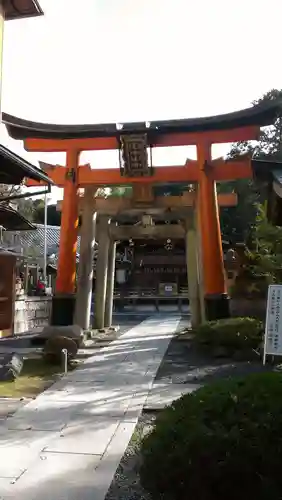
(13, 169)
(21, 9)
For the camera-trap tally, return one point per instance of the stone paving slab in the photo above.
(9, 406)
(85, 435)
(84, 394)
(18, 450)
(112, 408)
(98, 412)
(5, 487)
(162, 395)
(51, 416)
(117, 378)
(57, 476)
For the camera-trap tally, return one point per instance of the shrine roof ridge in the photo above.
(260, 115)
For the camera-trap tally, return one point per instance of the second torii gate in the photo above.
(133, 141)
(141, 206)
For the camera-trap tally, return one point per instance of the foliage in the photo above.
(248, 285)
(234, 333)
(265, 254)
(30, 208)
(270, 142)
(237, 222)
(119, 191)
(24, 206)
(53, 216)
(220, 442)
(7, 190)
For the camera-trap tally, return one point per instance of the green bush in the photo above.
(234, 333)
(221, 442)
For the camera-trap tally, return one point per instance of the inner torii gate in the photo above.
(133, 217)
(133, 140)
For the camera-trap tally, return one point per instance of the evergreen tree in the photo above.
(237, 222)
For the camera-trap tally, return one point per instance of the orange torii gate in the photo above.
(133, 140)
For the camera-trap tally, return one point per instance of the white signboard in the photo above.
(120, 276)
(273, 326)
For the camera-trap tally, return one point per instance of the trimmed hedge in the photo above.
(222, 442)
(233, 333)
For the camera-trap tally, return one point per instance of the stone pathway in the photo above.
(8, 406)
(68, 442)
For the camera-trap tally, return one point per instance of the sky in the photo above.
(97, 61)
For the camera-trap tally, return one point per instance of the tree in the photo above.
(266, 256)
(23, 205)
(6, 190)
(53, 216)
(114, 191)
(270, 142)
(237, 222)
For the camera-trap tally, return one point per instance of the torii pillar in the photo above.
(216, 299)
(64, 298)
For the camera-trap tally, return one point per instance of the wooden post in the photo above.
(86, 257)
(110, 284)
(193, 274)
(200, 263)
(101, 271)
(64, 299)
(215, 296)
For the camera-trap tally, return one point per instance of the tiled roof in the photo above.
(11, 220)
(32, 242)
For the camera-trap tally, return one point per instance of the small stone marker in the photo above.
(11, 365)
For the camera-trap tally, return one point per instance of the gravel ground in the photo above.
(126, 483)
(183, 363)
